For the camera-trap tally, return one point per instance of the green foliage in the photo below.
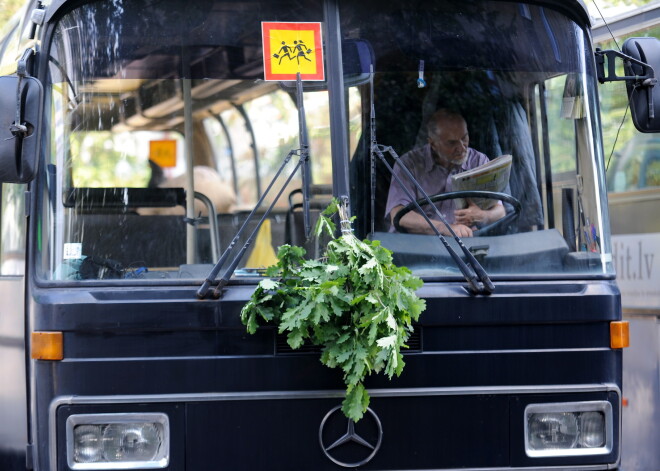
(610, 3)
(354, 303)
(104, 159)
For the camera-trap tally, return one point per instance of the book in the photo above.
(491, 176)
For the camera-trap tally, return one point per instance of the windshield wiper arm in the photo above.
(304, 154)
(203, 290)
(472, 272)
(303, 162)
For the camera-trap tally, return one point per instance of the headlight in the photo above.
(111, 441)
(568, 429)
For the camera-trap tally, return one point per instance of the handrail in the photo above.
(213, 224)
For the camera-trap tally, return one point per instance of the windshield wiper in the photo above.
(302, 164)
(474, 273)
(210, 279)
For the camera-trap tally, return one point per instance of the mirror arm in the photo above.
(648, 81)
(17, 128)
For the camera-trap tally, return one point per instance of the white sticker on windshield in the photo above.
(72, 251)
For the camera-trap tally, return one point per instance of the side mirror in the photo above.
(641, 63)
(21, 110)
(644, 93)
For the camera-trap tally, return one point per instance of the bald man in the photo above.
(446, 153)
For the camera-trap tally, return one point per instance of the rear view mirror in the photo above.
(644, 93)
(19, 137)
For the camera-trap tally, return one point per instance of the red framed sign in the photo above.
(292, 48)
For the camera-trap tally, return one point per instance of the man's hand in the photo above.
(470, 216)
(461, 230)
(473, 216)
(416, 224)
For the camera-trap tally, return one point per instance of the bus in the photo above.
(155, 154)
(633, 183)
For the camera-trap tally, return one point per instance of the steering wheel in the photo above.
(498, 227)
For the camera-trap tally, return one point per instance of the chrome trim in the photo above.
(582, 406)
(322, 394)
(596, 467)
(351, 435)
(161, 460)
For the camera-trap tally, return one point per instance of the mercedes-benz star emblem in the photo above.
(349, 444)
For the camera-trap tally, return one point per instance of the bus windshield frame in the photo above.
(540, 105)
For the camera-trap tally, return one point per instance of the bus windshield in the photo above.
(165, 132)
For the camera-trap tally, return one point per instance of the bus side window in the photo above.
(636, 166)
(13, 230)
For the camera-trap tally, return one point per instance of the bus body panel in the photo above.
(285, 432)
(13, 393)
(466, 384)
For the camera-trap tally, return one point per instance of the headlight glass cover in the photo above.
(568, 429)
(106, 441)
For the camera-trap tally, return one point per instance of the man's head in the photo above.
(448, 136)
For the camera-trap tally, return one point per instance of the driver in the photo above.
(445, 154)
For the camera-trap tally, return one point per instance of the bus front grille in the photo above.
(282, 347)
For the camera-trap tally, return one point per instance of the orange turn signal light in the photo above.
(619, 334)
(47, 346)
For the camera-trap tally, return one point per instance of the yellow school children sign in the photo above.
(163, 152)
(292, 48)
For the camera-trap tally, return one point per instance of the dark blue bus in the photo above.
(144, 148)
